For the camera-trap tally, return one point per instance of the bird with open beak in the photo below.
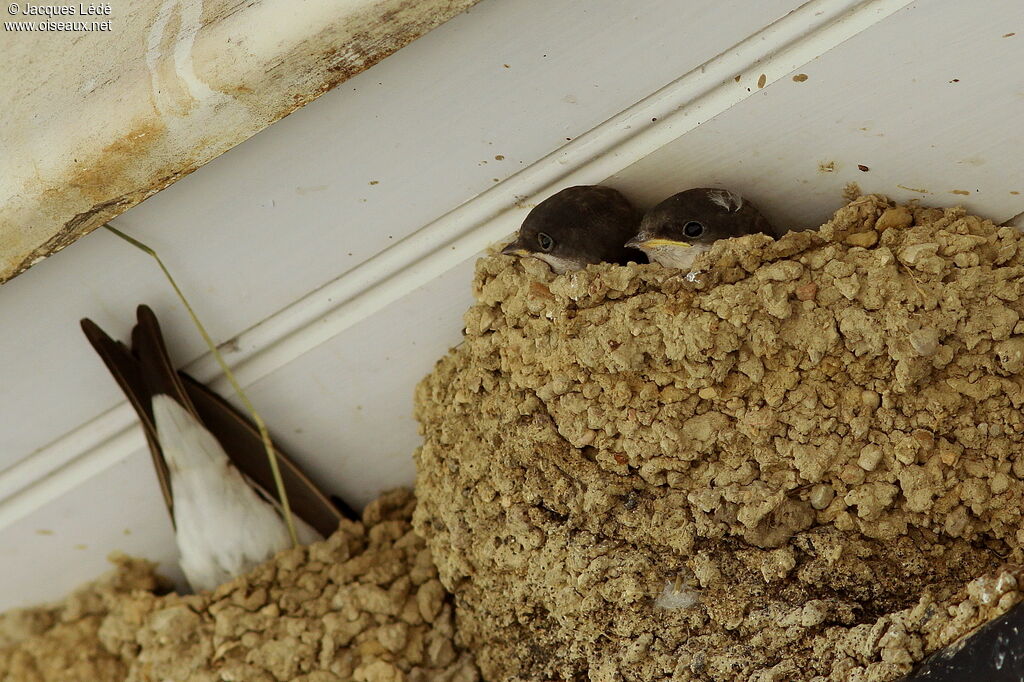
(211, 464)
(685, 225)
(579, 226)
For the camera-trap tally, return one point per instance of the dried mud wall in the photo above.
(363, 605)
(800, 462)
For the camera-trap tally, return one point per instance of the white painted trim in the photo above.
(643, 128)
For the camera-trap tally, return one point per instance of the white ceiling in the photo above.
(928, 99)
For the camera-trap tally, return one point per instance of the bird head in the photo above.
(686, 224)
(577, 226)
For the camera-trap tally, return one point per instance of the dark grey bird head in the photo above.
(578, 226)
(677, 230)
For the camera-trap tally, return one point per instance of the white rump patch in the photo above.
(726, 199)
(223, 526)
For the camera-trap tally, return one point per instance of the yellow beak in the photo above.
(513, 250)
(654, 243)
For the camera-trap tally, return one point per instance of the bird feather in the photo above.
(223, 527)
(146, 370)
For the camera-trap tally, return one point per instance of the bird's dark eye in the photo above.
(545, 242)
(693, 229)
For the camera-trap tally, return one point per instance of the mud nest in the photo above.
(363, 605)
(798, 462)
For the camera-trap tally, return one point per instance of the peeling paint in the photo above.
(101, 122)
(79, 225)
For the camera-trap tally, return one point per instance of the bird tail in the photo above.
(146, 370)
(127, 371)
(154, 362)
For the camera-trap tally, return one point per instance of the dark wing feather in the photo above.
(147, 370)
(155, 364)
(129, 376)
(241, 440)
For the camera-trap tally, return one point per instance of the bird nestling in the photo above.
(579, 226)
(211, 464)
(685, 225)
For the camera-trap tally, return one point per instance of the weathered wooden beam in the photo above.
(95, 121)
